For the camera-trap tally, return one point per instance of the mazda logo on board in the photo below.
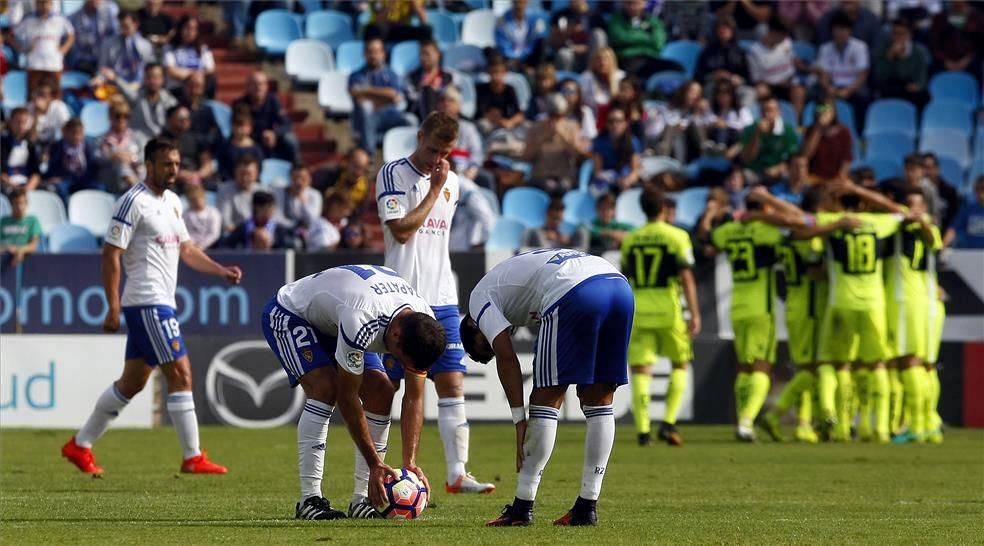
(246, 387)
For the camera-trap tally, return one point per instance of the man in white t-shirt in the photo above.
(417, 197)
(45, 37)
(147, 232)
(844, 64)
(772, 64)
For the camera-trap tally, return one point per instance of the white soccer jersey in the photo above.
(424, 260)
(516, 291)
(354, 303)
(150, 230)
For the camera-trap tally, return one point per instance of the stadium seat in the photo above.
(91, 209)
(15, 89)
(665, 82)
(333, 94)
(444, 28)
(275, 30)
(73, 79)
(311, 6)
(68, 7)
(469, 96)
(48, 208)
(628, 209)
(584, 174)
(890, 116)
(478, 28)
(71, 238)
(579, 207)
(954, 85)
(307, 60)
(405, 58)
(465, 58)
(948, 114)
(275, 173)
(889, 145)
(884, 168)
(947, 142)
(519, 83)
(951, 171)
(653, 165)
(683, 52)
(526, 205)
(690, 205)
(223, 116)
(399, 142)
(349, 56)
(95, 119)
(563, 75)
(5, 208)
(805, 51)
(507, 234)
(329, 26)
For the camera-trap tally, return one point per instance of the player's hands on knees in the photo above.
(412, 467)
(233, 274)
(112, 322)
(377, 477)
(520, 440)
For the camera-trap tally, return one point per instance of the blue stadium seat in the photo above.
(954, 85)
(889, 145)
(628, 209)
(567, 75)
(71, 238)
(469, 95)
(48, 208)
(444, 28)
(805, 51)
(307, 60)
(665, 82)
(275, 173)
(653, 165)
(73, 79)
(223, 116)
(311, 6)
(15, 89)
(950, 143)
(890, 116)
(275, 30)
(399, 142)
(690, 205)
(584, 174)
(507, 234)
(349, 56)
(948, 114)
(329, 26)
(684, 52)
(519, 83)
(951, 171)
(478, 28)
(405, 58)
(91, 209)
(333, 94)
(526, 205)
(465, 58)
(579, 207)
(95, 119)
(5, 208)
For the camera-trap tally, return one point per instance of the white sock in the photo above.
(312, 438)
(454, 429)
(597, 448)
(379, 430)
(108, 407)
(541, 433)
(181, 408)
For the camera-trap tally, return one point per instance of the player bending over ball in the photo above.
(148, 233)
(584, 308)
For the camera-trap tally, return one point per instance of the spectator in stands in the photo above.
(607, 232)
(914, 178)
(468, 155)
(544, 84)
(843, 65)
(949, 196)
(716, 212)
(20, 233)
(828, 144)
(197, 168)
(735, 189)
(149, 102)
(600, 82)
(792, 188)
(261, 231)
(156, 25)
(473, 219)
(678, 128)
(629, 100)
(865, 25)
(353, 182)
(203, 220)
(900, 67)
(554, 148)
(72, 163)
(617, 156)
(519, 38)
(750, 15)
(801, 16)
(579, 112)
(300, 204)
(271, 126)
(967, 230)
(767, 144)
(21, 165)
(772, 64)
(498, 106)
(426, 83)
(638, 38)
(203, 122)
(955, 38)
(723, 58)
(864, 177)
(94, 24)
(239, 145)
(392, 21)
(551, 235)
(375, 91)
(186, 54)
(235, 198)
(354, 237)
(726, 121)
(574, 33)
(236, 15)
(685, 20)
(120, 151)
(124, 57)
(326, 232)
(49, 112)
(45, 37)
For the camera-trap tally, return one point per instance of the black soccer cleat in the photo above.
(668, 433)
(583, 513)
(317, 508)
(363, 510)
(645, 439)
(513, 516)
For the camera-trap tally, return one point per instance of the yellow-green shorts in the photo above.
(803, 338)
(849, 335)
(908, 329)
(755, 339)
(646, 344)
(936, 318)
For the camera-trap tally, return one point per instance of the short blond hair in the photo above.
(441, 125)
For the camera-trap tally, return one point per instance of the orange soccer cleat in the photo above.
(81, 457)
(199, 464)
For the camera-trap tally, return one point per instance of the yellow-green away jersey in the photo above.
(854, 259)
(751, 250)
(805, 296)
(652, 258)
(911, 275)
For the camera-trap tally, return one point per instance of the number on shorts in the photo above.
(301, 334)
(172, 327)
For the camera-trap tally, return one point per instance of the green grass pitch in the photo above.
(710, 491)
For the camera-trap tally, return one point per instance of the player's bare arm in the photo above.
(874, 199)
(111, 285)
(411, 422)
(690, 294)
(404, 228)
(196, 259)
(511, 378)
(814, 230)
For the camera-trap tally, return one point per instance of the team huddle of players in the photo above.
(863, 312)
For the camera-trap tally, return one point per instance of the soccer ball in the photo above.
(406, 496)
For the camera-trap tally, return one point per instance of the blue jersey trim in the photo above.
(482, 312)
